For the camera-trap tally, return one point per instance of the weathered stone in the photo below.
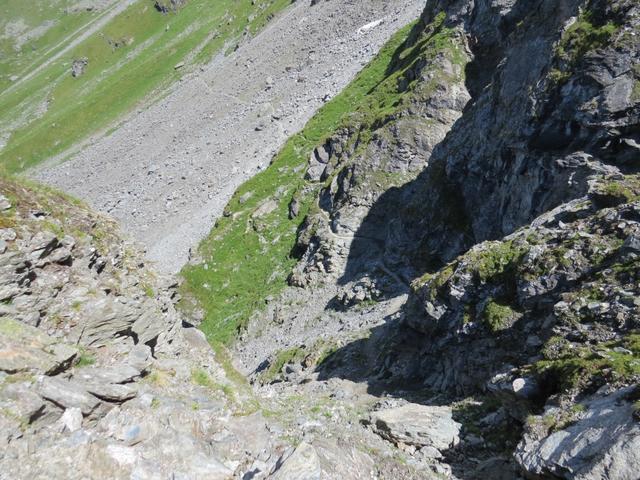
(5, 204)
(67, 394)
(196, 338)
(122, 373)
(26, 405)
(418, 425)
(71, 419)
(302, 464)
(24, 348)
(111, 392)
(604, 443)
(139, 357)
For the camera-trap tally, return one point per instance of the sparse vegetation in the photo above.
(497, 260)
(573, 367)
(582, 37)
(85, 359)
(282, 358)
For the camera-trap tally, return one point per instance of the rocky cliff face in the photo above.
(500, 192)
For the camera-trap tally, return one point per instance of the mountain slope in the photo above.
(167, 172)
(525, 133)
(130, 59)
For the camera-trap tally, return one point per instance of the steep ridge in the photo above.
(100, 377)
(166, 173)
(506, 122)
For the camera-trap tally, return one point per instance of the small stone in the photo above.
(72, 419)
(78, 66)
(5, 204)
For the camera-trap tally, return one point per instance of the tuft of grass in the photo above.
(498, 260)
(582, 37)
(623, 192)
(199, 376)
(571, 369)
(159, 378)
(85, 359)
(497, 316)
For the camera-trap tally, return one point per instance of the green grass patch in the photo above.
(130, 60)
(497, 261)
(85, 359)
(497, 316)
(571, 367)
(585, 35)
(200, 377)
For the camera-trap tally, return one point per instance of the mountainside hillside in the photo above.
(74, 68)
(167, 172)
(489, 120)
(437, 277)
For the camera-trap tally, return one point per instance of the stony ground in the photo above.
(167, 172)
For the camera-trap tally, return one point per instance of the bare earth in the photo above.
(168, 171)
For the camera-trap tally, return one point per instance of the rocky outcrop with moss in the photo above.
(474, 240)
(437, 278)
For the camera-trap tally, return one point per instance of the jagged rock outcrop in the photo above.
(98, 376)
(513, 222)
(64, 270)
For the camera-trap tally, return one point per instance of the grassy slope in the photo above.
(20, 59)
(248, 259)
(118, 78)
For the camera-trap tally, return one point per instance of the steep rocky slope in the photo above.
(468, 237)
(167, 172)
(436, 278)
(100, 377)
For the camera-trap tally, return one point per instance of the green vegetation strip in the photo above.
(247, 256)
(129, 60)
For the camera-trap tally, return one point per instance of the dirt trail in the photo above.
(168, 171)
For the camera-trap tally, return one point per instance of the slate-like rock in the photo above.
(418, 425)
(111, 392)
(24, 348)
(122, 373)
(67, 394)
(603, 443)
(303, 464)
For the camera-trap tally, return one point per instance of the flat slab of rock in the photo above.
(603, 443)
(24, 348)
(24, 404)
(67, 394)
(418, 425)
(113, 374)
(111, 392)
